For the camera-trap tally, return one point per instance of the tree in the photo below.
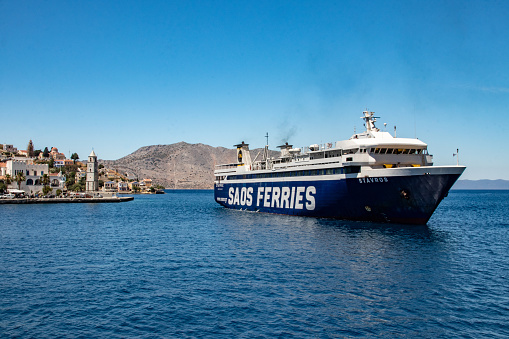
(101, 166)
(58, 192)
(30, 149)
(45, 179)
(70, 168)
(45, 153)
(79, 186)
(46, 190)
(51, 162)
(75, 157)
(70, 179)
(3, 187)
(7, 181)
(76, 187)
(37, 152)
(20, 177)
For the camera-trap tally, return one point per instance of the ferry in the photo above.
(373, 176)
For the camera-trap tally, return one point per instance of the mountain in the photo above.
(191, 166)
(481, 185)
(177, 166)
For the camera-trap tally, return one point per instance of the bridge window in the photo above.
(351, 151)
(352, 169)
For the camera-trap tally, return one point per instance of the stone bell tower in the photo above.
(92, 173)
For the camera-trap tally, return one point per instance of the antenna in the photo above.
(385, 127)
(394, 130)
(457, 155)
(415, 127)
(267, 136)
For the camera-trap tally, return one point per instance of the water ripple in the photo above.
(178, 265)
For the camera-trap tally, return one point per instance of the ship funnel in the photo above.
(243, 156)
(285, 150)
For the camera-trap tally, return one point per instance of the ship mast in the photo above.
(369, 121)
(266, 149)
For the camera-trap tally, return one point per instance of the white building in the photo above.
(110, 186)
(10, 148)
(123, 186)
(57, 180)
(32, 172)
(80, 175)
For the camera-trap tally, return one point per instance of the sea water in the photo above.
(180, 266)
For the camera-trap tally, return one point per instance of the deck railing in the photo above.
(227, 166)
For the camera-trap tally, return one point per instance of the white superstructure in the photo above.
(371, 149)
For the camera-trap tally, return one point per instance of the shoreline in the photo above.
(64, 200)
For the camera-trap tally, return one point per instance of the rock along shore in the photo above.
(64, 200)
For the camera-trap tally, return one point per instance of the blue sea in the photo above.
(180, 266)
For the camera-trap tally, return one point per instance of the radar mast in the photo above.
(369, 121)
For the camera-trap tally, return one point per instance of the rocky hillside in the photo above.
(177, 166)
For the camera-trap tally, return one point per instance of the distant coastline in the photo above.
(484, 184)
(191, 166)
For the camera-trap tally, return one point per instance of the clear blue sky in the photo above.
(118, 75)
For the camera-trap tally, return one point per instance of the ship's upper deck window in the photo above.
(350, 151)
(329, 171)
(332, 154)
(380, 150)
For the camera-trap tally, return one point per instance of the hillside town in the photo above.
(49, 173)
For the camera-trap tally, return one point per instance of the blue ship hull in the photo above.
(395, 199)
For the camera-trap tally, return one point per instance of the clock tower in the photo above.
(92, 174)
